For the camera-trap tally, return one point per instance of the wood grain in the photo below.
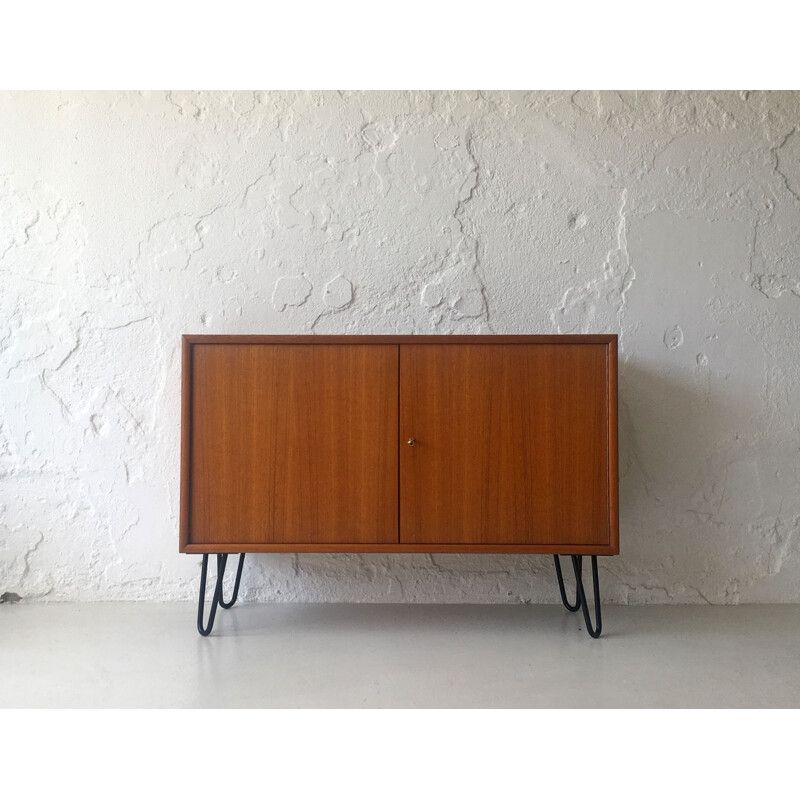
(512, 445)
(293, 443)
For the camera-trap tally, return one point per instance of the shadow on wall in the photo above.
(672, 431)
(680, 530)
(688, 480)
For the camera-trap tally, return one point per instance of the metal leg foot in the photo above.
(577, 565)
(217, 599)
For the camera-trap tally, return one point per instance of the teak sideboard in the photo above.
(399, 444)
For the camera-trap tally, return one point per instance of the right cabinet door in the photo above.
(510, 444)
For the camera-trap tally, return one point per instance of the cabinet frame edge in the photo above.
(186, 442)
(613, 444)
(531, 549)
(572, 338)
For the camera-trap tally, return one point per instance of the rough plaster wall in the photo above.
(127, 219)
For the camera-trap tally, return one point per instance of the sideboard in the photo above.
(399, 444)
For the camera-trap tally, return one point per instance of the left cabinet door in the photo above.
(293, 444)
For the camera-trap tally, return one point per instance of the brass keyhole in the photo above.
(411, 441)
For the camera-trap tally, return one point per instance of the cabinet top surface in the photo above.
(594, 338)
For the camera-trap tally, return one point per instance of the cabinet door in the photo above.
(511, 444)
(293, 444)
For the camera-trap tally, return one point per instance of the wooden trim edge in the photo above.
(546, 549)
(186, 442)
(576, 338)
(613, 444)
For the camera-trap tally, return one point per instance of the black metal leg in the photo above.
(217, 600)
(580, 602)
(563, 591)
(202, 630)
(233, 599)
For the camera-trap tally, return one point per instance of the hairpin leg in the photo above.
(580, 602)
(217, 600)
(233, 599)
(561, 589)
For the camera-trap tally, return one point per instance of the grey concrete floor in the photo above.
(124, 655)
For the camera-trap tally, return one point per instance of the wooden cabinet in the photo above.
(399, 444)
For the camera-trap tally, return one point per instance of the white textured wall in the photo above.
(672, 218)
